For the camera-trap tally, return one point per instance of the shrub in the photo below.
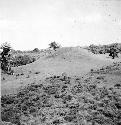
(22, 60)
(102, 49)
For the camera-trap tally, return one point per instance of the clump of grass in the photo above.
(22, 74)
(117, 85)
(3, 78)
(37, 72)
(92, 70)
(100, 77)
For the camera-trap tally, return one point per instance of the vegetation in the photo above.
(36, 50)
(5, 58)
(113, 52)
(60, 101)
(19, 60)
(54, 45)
(11, 58)
(63, 99)
(112, 49)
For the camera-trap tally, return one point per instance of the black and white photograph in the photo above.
(60, 62)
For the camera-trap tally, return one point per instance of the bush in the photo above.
(22, 60)
(102, 49)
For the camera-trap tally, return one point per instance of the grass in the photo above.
(63, 102)
(88, 100)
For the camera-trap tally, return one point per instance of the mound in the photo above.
(75, 61)
(71, 53)
(68, 58)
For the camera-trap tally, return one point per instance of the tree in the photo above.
(5, 57)
(54, 45)
(36, 50)
(113, 52)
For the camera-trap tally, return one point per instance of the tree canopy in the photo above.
(5, 57)
(54, 45)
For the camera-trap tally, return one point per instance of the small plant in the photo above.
(92, 70)
(22, 74)
(56, 122)
(64, 76)
(37, 72)
(100, 77)
(3, 78)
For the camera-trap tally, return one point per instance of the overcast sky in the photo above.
(28, 24)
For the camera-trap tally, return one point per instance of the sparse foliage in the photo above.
(22, 60)
(36, 50)
(113, 52)
(54, 45)
(112, 49)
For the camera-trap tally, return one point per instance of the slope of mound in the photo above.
(71, 53)
(74, 61)
(66, 57)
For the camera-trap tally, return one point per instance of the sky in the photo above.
(29, 24)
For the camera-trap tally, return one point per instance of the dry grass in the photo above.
(62, 99)
(57, 91)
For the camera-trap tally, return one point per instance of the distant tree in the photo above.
(36, 50)
(54, 45)
(5, 57)
(113, 52)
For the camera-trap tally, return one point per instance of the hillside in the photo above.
(75, 61)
